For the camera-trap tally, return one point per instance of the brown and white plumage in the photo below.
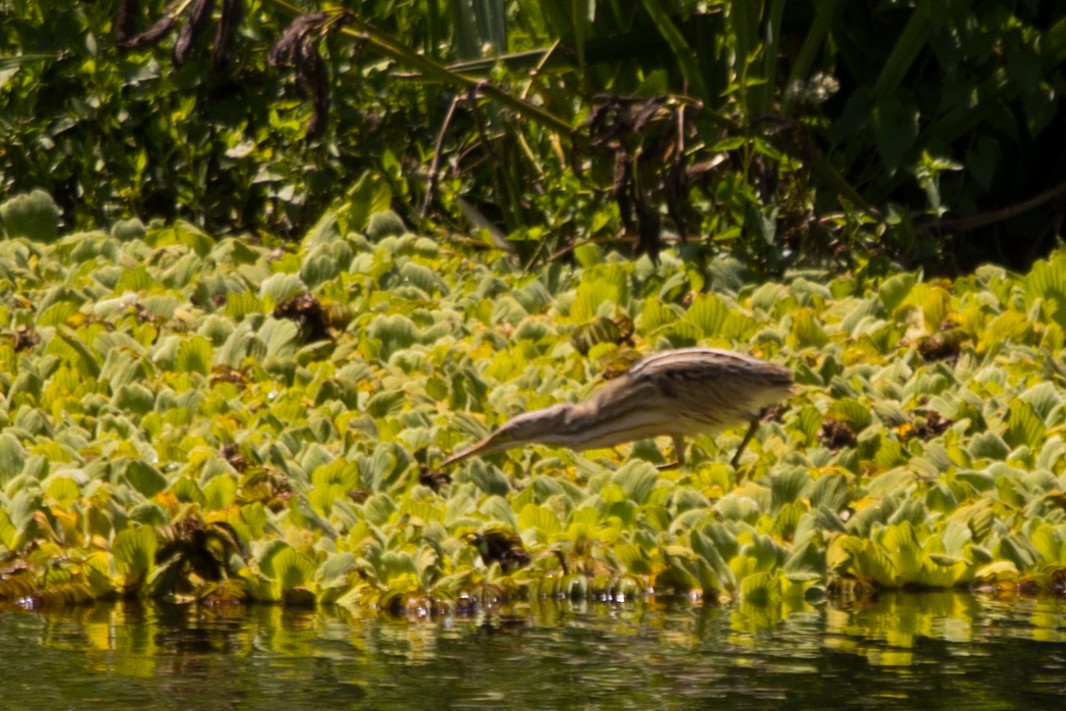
(678, 393)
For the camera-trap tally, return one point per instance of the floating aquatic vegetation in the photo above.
(220, 420)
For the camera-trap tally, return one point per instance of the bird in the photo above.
(677, 393)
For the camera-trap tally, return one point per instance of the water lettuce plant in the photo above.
(222, 419)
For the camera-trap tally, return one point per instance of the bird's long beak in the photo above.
(493, 443)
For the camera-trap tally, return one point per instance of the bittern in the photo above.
(678, 393)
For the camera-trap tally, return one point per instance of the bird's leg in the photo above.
(744, 442)
(679, 452)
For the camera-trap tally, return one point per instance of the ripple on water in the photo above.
(928, 651)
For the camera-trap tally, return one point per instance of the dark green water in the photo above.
(921, 651)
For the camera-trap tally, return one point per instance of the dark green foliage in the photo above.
(779, 131)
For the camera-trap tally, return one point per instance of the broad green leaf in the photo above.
(319, 268)
(534, 297)
(33, 215)
(602, 330)
(638, 479)
(634, 558)
(870, 561)
(988, 445)
(737, 508)
(334, 573)
(370, 194)
(588, 254)
(63, 490)
(603, 289)
(134, 551)
(194, 356)
(12, 457)
(324, 231)
(161, 306)
(186, 490)
(280, 287)
(851, 412)
(997, 571)
(1049, 544)
(900, 544)
(145, 478)
(807, 332)
(1020, 551)
(254, 515)
(8, 531)
(424, 278)
(538, 518)
(137, 279)
(384, 223)
(789, 486)
(392, 333)
(956, 538)
(183, 272)
(655, 314)
(281, 337)
(859, 313)
(378, 508)
(1024, 426)
(769, 297)
(241, 304)
(895, 289)
(240, 344)
(805, 562)
(220, 492)
(709, 313)
(135, 398)
(1047, 278)
(830, 491)
(400, 568)
(84, 359)
(292, 569)
(935, 308)
(760, 589)
(708, 549)
(146, 513)
(499, 510)
(1044, 398)
(58, 313)
(216, 329)
(183, 233)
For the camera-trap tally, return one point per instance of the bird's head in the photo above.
(536, 426)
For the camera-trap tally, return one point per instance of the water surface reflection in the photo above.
(929, 651)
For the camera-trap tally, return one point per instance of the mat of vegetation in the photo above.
(223, 420)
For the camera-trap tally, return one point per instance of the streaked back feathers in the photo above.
(678, 393)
